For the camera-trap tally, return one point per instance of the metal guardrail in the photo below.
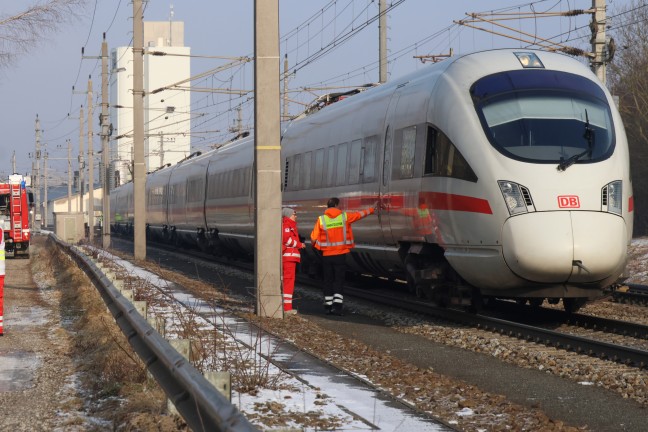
(202, 406)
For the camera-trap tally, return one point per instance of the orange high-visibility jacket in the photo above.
(332, 233)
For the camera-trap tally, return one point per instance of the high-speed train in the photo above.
(501, 174)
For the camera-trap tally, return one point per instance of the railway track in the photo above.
(628, 345)
(631, 294)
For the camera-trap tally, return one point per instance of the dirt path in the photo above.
(35, 366)
(64, 364)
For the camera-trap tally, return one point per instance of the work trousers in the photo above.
(334, 267)
(1, 304)
(288, 284)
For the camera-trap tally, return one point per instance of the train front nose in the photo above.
(565, 246)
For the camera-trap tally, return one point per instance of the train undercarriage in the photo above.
(429, 276)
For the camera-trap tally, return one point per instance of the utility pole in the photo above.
(69, 158)
(91, 218)
(45, 186)
(81, 163)
(13, 163)
(37, 207)
(382, 44)
(598, 39)
(139, 170)
(105, 146)
(267, 154)
(285, 89)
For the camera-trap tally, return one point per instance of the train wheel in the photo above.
(536, 302)
(572, 305)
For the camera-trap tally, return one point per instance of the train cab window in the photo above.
(369, 159)
(318, 168)
(545, 116)
(354, 161)
(341, 168)
(330, 166)
(443, 159)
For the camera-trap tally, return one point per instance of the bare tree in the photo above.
(22, 30)
(628, 79)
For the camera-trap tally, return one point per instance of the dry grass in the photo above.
(112, 374)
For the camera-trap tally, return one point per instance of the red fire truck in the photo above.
(16, 202)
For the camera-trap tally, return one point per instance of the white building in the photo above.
(167, 119)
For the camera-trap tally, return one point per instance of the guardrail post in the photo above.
(140, 305)
(183, 347)
(222, 381)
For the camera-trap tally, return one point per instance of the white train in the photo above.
(502, 173)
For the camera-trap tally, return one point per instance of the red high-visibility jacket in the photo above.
(290, 243)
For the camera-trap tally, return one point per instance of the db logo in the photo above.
(568, 201)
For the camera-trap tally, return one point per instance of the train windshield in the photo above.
(545, 116)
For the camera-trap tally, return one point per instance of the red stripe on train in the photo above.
(445, 201)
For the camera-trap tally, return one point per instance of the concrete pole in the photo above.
(69, 176)
(598, 39)
(91, 215)
(382, 41)
(13, 163)
(267, 154)
(139, 170)
(37, 207)
(81, 163)
(105, 146)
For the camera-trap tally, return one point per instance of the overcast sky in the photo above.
(40, 81)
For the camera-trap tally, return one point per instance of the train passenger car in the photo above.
(502, 173)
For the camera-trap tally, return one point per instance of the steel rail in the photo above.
(617, 353)
(202, 406)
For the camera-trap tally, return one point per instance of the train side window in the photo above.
(295, 174)
(368, 170)
(211, 186)
(341, 168)
(306, 170)
(387, 156)
(330, 167)
(172, 194)
(238, 182)
(408, 146)
(194, 189)
(318, 168)
(354, 161)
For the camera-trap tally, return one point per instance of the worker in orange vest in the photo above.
(333, 236)
(2, 276)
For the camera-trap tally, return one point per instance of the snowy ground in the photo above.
(288, 402)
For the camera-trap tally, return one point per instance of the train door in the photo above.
(385, 174)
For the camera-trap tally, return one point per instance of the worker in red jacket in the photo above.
(2, 276)
(290, 256)
(333, 236)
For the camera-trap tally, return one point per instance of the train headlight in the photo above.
(612, 197)
(512, 197)
(529, 60)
